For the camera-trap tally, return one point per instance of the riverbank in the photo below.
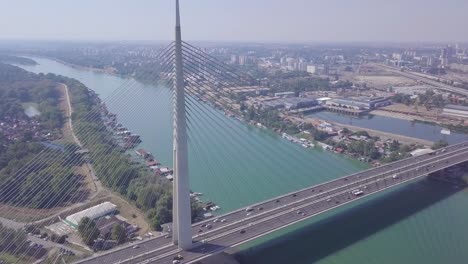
(393, 115)
(377, 133)
(228, 176)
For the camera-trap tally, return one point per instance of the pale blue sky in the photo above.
(237, 20)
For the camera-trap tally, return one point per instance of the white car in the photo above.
(357, 192)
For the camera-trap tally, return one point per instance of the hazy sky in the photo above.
(237, 20)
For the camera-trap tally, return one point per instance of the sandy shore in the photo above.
(396, 115)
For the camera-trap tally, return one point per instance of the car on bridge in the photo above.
(357, 192)
(177, 258)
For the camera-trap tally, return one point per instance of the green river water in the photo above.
(234, 165)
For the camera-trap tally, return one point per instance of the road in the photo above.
(50, 244)
(274, 214)
(419, 77)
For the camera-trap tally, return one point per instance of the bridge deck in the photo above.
(288, 209)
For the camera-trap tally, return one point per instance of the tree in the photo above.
(438, 101)
(394, 146)
(155, 224)
(88, 231)
(251, 114)
(362, 133)
(345, 131)
(440, 144)
(119, 234)
(242, 107)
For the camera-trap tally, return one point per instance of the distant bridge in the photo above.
(246, 224)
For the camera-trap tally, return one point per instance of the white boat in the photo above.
(214, 208)
(445, 131)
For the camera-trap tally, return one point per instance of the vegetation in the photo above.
(116, 171)
(51, 174)
(397, 151)
(440, 144)
(17, 60)
(119, 234)
(402, 99)
(19, 86)
(88, 231)
(364, 148)
(458, 128)
(11, 240)
(297, 81)
(428, 99)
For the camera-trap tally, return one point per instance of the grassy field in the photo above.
(7, 258)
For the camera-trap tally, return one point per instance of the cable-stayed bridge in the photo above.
(259, 219)
(195, 76)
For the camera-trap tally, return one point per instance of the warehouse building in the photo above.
(93, 213)
(248, 90)
(359, 103)
(289, 103)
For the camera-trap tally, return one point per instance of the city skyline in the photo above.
(238, 21)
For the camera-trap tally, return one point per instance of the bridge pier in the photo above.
(181, 212)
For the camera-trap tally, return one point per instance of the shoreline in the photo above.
(384, 113)
(379, 133)
(403, 139)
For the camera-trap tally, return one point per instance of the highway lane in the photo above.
(418, 77)
(306, 210)
(272, 206)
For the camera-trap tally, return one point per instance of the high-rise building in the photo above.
(234, 59)
(444, 57)
(243, 60)
(311, 69)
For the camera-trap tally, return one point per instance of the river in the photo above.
(235, 164)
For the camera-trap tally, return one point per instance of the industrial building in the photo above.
(420, 152)
(284, 94)
(359, 103)
(298, 102)
(290, 103)
(456, 110)
(248, 90)
(93, 213)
